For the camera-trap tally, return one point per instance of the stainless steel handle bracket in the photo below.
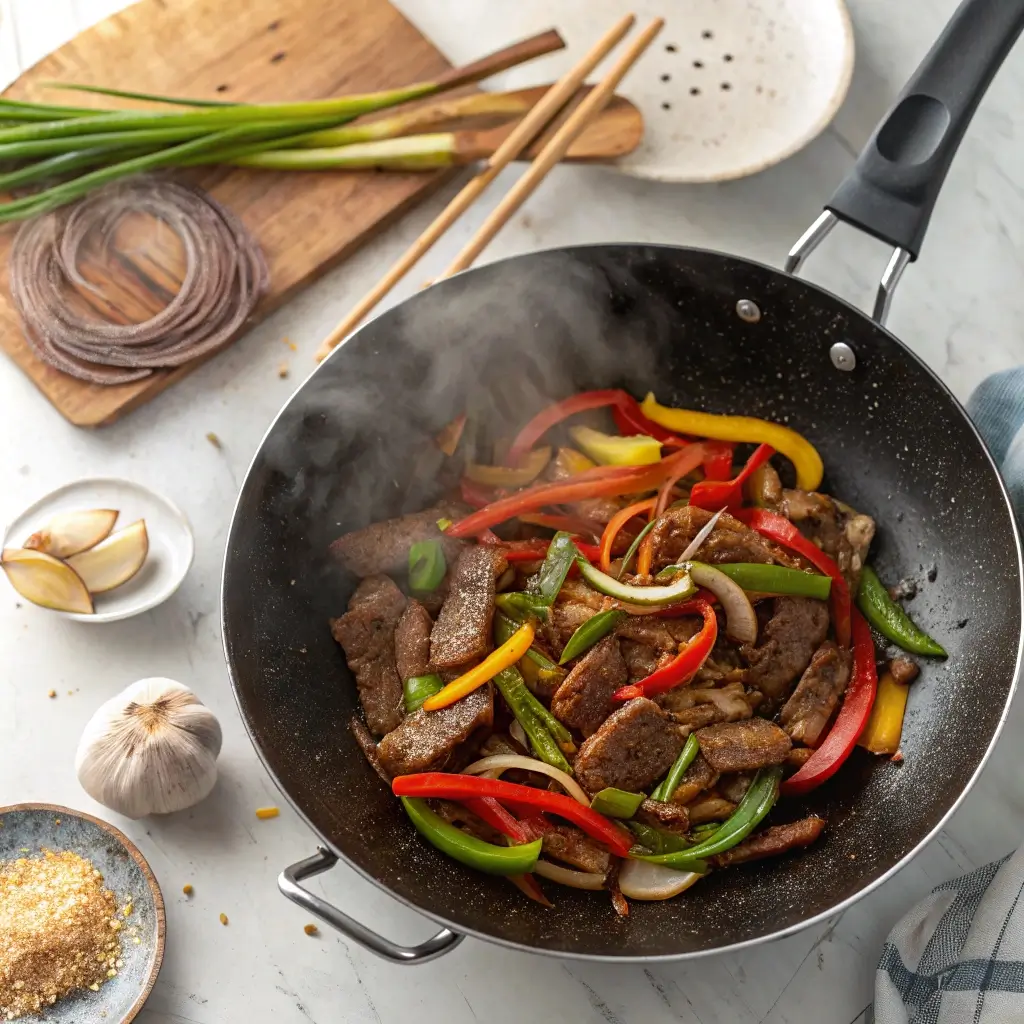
(323, 860)
(819, 231)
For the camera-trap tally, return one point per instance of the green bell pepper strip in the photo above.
(705, 829)
(467, 849)
(657, 840)
(634, 547)
(777, 579)
(755, 805)
(520, 606)
(521, 702)
(675, 775)
(616, 803)
(417, 689)
(595, 628)
(890, 619)
(504, 627)
(426, 566)
(557, 562)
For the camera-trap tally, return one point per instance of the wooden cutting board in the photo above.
(245, 50)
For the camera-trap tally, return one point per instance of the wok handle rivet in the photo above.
(842, 356)
(748, 311)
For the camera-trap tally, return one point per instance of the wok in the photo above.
(700, 329)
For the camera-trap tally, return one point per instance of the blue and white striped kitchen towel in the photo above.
(958, 956)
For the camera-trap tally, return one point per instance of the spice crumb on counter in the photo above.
(224, 919)
(311, 929)
(282, 371)
(264, 813)
(214, 440)
(187, 890)
(52, 694)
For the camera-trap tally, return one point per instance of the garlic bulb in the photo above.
(152, 749)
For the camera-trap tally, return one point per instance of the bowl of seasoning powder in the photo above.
(81, 919)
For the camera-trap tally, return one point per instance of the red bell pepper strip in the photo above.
(781, 530)
(850, 722)
(603, 482)
(615, 525)
(477, 495)
(713, 494)
(684, 666)
(575, 525)
(529, 886)
(718, 464)
(462, 787)
(488, 809)
(547, 418)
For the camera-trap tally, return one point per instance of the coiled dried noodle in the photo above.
(225, 275)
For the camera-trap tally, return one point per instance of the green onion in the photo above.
(675, 775)
(595, 628)
(417, 689)
(616, 803)
(634, 547)
(427, 566)
(443, 524)
(555, 567)
(755, 805)
(510, 685)
(519, 606)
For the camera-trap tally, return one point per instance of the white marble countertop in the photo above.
(960, 307)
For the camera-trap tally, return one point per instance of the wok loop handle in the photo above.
(323, 860)
(892, 188)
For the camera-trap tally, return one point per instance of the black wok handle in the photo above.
(892, 188)
(323, 860)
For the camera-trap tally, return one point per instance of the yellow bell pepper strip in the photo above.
(612, 450)
(749, 429)
(885, 726)
(568, 462)
(504, 657)
(473, 852)
(505, 476)
(449, 436)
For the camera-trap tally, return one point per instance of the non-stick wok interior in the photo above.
(353, 446)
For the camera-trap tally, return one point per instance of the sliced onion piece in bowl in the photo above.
(574, 879)
(501, 762)
(640, 880)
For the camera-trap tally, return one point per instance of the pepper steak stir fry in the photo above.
(655, 651)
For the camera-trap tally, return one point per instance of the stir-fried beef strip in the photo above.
(575, 604)
(428, 741)
(729, 541)
(696, 779)
(671, 817)
(903, 670)
(633, 749)
(412, 641)
(640, 659)
(734, 786)
(772, 842)
(840, 531)
(697, 706)
(368, 747)
(807, 712)
(743, 746)
(384, 547)
(366, 633)
(584, 700)
(711, 807)
(796, 629)
(462, 631)
(799, 756)
(567, 843)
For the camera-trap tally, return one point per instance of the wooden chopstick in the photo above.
(528, 128)
(553, 151)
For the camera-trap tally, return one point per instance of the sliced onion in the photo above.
(504, 761)
(740, 619)
(694, 545)
(641, 880)
(566, 876)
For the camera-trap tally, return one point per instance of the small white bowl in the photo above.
(171, 545)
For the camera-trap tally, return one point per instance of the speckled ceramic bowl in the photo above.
(28, 829)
